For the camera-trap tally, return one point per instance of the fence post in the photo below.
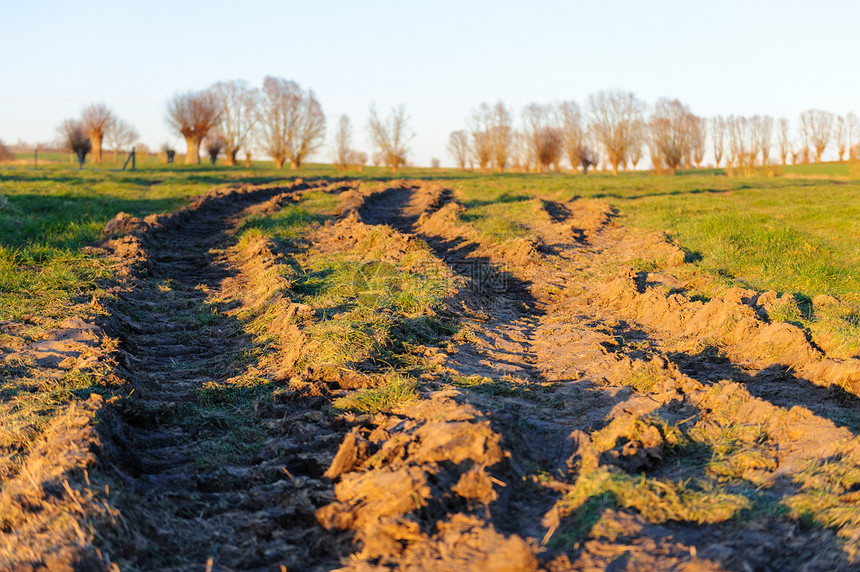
(131, 157)
(36, 159)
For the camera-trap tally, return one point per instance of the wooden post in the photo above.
(36, 159)
(131, 157)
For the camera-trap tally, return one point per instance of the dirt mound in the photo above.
(401, 476)
(44, 509)
(732, 322)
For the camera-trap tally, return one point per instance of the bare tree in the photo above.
(783, 139)
(851, 130)
(743, 148)
(544, 140)
(98, 120)
(74, 137)
(764, 137)
(435, 163)
(458, 147)
(718, 137)
(753, 143)
(390, 137)
(571, 132)
(698, 138)
(193, 115)
(669, 129)
(501, 135)
(480, 129)
(614, 115)
(343, 143)
(841, 135)
(214, 144)
(237, 112)
(551, 147)
(121, 136)
(817, 127)
(519, 152)
(587, 158)
(292, 121)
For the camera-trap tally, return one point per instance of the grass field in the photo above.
(794, 235)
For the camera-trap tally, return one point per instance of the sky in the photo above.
(439, 59)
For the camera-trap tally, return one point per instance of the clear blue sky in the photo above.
(439, 59)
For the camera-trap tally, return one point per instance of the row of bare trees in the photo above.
(614, 129)
(284, 120)
(548, 135)
(97, 126)
(748, 141)
(551, 134)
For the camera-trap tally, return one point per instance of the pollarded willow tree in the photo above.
(345, 156)
(763, 126)
(613, 119)
(343, 143)
(851, 126)
(237, 114)
(544, 139)
(501, 135)
(120, 136)
(292, 121)
(572, 134)
(841, 136)
(97, 120)
(74, 136)
(783, 139)
(193, 115)
(458, 147)
(816, 127)
(390, 137)
(669, 130)
(718, 138)
(698, 138)
(480, 130)
(634, 155)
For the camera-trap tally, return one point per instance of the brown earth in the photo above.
(552, 431)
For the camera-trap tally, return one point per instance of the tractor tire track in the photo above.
(612, 348)
(212, 475)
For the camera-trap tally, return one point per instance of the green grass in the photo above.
(394, 392)
(792, 235)
(826, 169)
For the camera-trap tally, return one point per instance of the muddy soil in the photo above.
(586, 349)
(551, 431)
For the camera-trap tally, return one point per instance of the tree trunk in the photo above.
(231, 157)
(295, 164)
(97, 149)
(279, 163)
(192, 155)
(615, 168)
(248, 160)
(818, 156)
